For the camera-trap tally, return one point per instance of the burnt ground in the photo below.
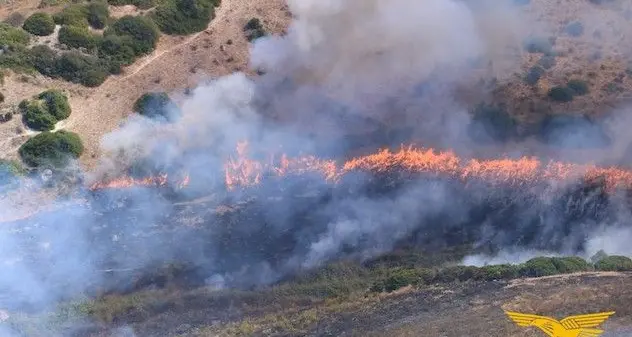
(467, 309)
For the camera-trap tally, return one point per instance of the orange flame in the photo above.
(526, 170)
(125, 182)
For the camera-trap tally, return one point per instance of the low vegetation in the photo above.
(183, 17)
(254, 29)
(9, 170)
(51, 149)
(73, 15)
(78, 37)
(492, 122)
(156, 105)
(98, 14)
(40, 24)
(43, 112)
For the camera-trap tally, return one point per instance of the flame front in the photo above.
(526, 170)
(126, 182)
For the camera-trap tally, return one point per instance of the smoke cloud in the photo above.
(344, 70)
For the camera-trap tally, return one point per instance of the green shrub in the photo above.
(141, 4)
(77, 37)
(98, 14)
(10, 169)
(491, 121)
(15, 19)
(56, 103)
(456, 273)
(614, 263)
(183, 17)
(534, 74)
(537, 267)
(497, 272)
(36, 116)
(578, 87)
(40, 24)
(142, 32)
(254, 29)
(561, 94)
(73, 15)
(156, 105)
(44, 60)
(598, 256)
(574, 29)
(13, 37)
(117, 49)
(539, 45)
(51, 148)
(547, 61)
(84, 69)
(571, 264)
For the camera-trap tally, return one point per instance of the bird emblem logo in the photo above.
(571, 326)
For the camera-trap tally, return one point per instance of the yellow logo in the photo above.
(571, 326)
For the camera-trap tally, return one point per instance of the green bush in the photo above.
(44, 60)
(571, 264)
(56, 103)
(36, 116)
(183, 17)
(15, 19)
(51, 148)
(497, 272)
(254, 29)
(491, 121)
(574, 29)
(98, 14)
(117, 50)
(13, 37)
(42, 113)
(84, 69)
(614, 263)
(141, 4)
(561, 94)
(10, 169)
(456, 273)
(40, 24)
(539, 45)
(547, 61)
(578, 87)
(142, 32)
(73, 15)
(537, 267)
(78, 37)
(534, 74)
(154, 105)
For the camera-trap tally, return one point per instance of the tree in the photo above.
(44, 60)
(183, 17)
(56, 103)
(73, 15)
(156, 105)
(36, 117)
(578, 87)
(142, 31)
(40, 24)
(51, 148)
(79, 68)
(614, 263)
(561, 94)
(77, 37)
(98, 14)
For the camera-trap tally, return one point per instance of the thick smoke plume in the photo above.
(344, 70)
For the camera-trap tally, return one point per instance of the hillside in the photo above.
(166, 170)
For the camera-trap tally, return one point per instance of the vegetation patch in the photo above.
(140, 31)
(156, 105)
(578, 87)
(40, 24)
(183, 17)
(141, 4)
(72, 15)
(54, 149)
(254, 29)
(98, 14)
(78, 37)
(492, 123)
(46, 110)
(562, 94)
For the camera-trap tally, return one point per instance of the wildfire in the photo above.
(527, 170)
(242, 171)
(125, 182)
